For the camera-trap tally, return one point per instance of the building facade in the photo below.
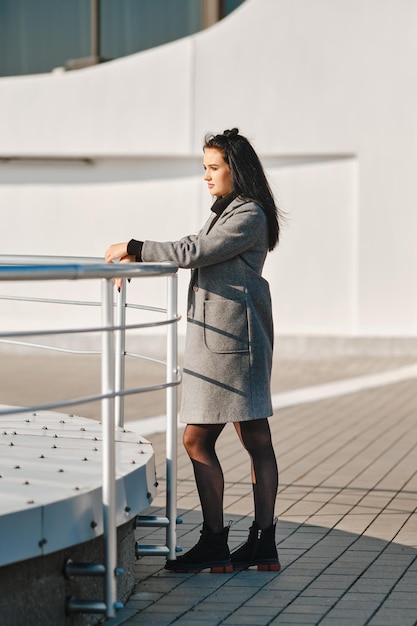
(325, 89)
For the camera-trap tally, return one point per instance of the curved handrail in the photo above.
(74, 271)
(17, 268)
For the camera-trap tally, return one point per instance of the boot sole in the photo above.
(262, 567)
(195, 569)
(269, 567)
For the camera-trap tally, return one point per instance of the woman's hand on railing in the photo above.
(118, 251)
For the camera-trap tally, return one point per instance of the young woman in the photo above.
(228, 353)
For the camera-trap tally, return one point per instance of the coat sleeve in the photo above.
(234, 232)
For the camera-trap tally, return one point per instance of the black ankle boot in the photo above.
(260, 549)
(211, 551)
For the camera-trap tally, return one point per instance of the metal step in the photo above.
(151, 521)
(143, 550)
(76, 605)
(89, 606)
(143, 521)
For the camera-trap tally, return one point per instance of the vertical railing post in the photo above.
(172, 409)
(119, 353)
(109, 464)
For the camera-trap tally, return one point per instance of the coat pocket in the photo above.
(226, 326)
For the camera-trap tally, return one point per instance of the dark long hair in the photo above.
(248, 176)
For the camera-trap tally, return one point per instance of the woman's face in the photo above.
(218, 174)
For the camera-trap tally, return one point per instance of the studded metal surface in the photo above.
(51, 477)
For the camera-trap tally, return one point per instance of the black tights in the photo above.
(255, 435)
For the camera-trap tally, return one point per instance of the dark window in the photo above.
(37, 36)
(130, 26)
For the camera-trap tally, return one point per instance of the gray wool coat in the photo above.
(229, 342)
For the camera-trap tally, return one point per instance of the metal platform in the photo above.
(51, 482)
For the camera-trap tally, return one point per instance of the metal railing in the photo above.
(113, 330)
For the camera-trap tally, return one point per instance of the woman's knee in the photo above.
(189, 439)
(200, 438)
(255, 436)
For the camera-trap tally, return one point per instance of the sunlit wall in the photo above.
(327, 92)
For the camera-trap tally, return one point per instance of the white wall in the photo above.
(326, 89)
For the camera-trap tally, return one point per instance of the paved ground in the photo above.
(347, 531)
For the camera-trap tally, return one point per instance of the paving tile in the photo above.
(356, 615)
(344, 620)
(388, 617)
(339, 583)
(401, 599)
(290, 620)
(310, 608)
(327, 593)
(241, 617)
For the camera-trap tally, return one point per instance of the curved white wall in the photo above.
(327, 92)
